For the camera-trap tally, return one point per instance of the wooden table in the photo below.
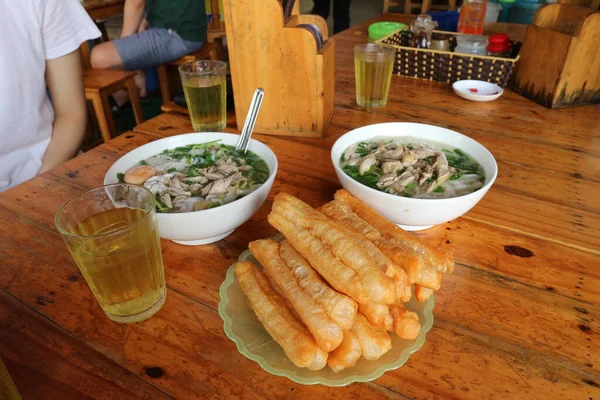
(518, 318)
(100, 9)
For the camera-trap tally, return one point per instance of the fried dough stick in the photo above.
(374, 342)
(378, 314)
(325, 331)
(442, 261)
(341, 243)
(422, 293)
(343, 215)
(340, 308)
(346, 355)
(283, 326)
(343, 278)
(406, 323)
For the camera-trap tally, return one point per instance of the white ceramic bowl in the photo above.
(415, 214)
(474, 90)
(206, 226)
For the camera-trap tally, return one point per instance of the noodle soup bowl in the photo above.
(213, 224)
(415, 213)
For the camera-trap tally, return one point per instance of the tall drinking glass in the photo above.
(205, 88)
(112, 234)
(373, 66)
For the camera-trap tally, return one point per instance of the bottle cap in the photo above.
(499, 38)
(498, 47)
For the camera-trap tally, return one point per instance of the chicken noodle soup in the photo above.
(412, 167)
(198, 176)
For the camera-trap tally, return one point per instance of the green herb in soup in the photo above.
(410, 167)
(198, 176)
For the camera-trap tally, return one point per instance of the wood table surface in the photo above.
(100, 9)
(518, 318)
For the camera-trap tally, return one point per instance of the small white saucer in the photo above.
(477, 90)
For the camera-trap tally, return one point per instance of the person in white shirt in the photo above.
(43, 111)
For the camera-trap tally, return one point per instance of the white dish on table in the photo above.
(413, 213)
(205, 226)
(475, 90)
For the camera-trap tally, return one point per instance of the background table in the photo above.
(518, 318)
(99, 9)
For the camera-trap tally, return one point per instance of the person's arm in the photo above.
(65, 82)
(133, 13)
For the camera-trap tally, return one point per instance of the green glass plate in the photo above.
(252, 340)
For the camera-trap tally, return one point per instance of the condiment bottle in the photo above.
(472, 17)
(471, 44)
(422, 27)
(499, 45)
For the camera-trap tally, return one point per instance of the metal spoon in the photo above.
(250, 120)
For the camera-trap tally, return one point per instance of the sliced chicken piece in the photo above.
(409, 159)
(199, 179)
(179, 198)
(367, 163)
(195, 187)
(407, 178)
(167, 200)
(175, 191)
(175, 182)
(423, 152)
(226, 167)
(391, 166)
(157, 184)
(387, 180)
(220, 186)
(425, 175)
(206, 189)
(349, 152)
(394, 154)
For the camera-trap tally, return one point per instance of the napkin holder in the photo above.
(560, 58)
(269, 52)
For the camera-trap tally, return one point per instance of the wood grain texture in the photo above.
(266, 51)
(564, 40)
(518, 318)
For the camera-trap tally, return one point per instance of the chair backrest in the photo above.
(214, 14)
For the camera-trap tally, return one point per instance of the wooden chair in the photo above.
(99, 84)
(426, 5)
(216, 27)
(209, 51)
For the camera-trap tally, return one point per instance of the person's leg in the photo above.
(341, 15)
(106, 56)
(141, 50)
(322, 8)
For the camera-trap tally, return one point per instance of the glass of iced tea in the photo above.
(205, 89)
(112, 234)
(373, 66)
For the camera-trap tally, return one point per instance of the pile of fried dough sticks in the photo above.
(333, 289)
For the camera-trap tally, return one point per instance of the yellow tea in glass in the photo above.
(112, 234)
(205, 89)
(373, 67)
